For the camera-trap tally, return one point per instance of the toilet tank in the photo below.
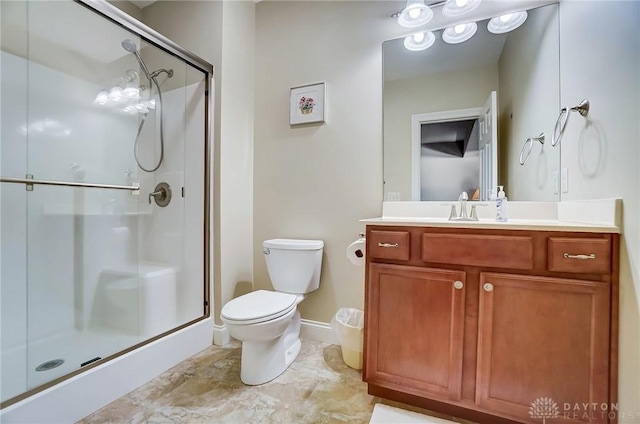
(294, 265)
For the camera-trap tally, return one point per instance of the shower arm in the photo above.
(155, 74)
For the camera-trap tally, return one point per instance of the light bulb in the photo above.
(507, 22)
(459, 33)
(455, 8)
(141, 108)
(131, 92)
(419, 41)
(102, 98)
(506, 18)
(115, 95)
(415, 14)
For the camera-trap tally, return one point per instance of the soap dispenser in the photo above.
(501, 205)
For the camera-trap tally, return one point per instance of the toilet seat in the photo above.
(258, 306)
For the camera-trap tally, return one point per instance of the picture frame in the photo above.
(306, 104)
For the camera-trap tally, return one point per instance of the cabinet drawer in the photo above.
(581, 255)
(388, 245)
(503, 251)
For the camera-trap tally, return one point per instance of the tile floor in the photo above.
(317, 388)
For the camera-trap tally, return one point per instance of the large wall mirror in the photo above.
(457, 116)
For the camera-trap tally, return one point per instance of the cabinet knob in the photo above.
(488, 287)
(458, 284)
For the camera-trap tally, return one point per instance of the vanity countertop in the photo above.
(593, 216)
(512, 224)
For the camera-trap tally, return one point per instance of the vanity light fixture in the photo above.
(125, 95)
(124, 90)
(459, 33)
(455, 8)
(116, 95)
(131, 91)
(102, 98)
(415, 14)
(419, 41)
(507, 22)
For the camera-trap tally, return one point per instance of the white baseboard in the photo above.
(221, 335)
(317, 331)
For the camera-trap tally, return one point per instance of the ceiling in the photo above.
(142, 3)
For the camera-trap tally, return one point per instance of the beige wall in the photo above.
(236, 164)
(602, 152)
(460, 89)
(128, 7)
(223, 33)
(317, 181)
(530, 60)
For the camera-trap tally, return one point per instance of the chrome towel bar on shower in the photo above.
(30, 182)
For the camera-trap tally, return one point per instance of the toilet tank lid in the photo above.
(294, 244)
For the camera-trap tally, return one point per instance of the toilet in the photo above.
(268, 322)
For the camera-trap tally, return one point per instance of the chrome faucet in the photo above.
(463, 205)
(464, 215)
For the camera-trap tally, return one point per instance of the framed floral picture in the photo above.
(306, 104)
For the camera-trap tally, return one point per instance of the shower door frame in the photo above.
(115, 15)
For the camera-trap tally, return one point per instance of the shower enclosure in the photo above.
(104, 194)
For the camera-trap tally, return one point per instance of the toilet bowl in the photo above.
(268, 322)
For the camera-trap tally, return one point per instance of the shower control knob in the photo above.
(161, 195)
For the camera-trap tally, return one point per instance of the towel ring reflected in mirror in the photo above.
(528, 146)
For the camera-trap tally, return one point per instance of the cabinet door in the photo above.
(415, 323)
(543, 341)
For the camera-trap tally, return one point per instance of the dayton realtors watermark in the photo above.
(547, 409)
(596, 411)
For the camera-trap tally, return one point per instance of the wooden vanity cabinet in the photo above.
(480, 324)
(541, 337)
(418, 315)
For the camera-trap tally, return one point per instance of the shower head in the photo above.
(130, 46)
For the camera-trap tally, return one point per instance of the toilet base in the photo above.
(262, 361)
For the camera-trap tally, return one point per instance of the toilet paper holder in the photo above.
(356, 250)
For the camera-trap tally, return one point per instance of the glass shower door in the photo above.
(82, 237)
(93, 252)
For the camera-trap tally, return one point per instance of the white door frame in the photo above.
(416, 145)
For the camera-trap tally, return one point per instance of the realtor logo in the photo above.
(544, 408)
